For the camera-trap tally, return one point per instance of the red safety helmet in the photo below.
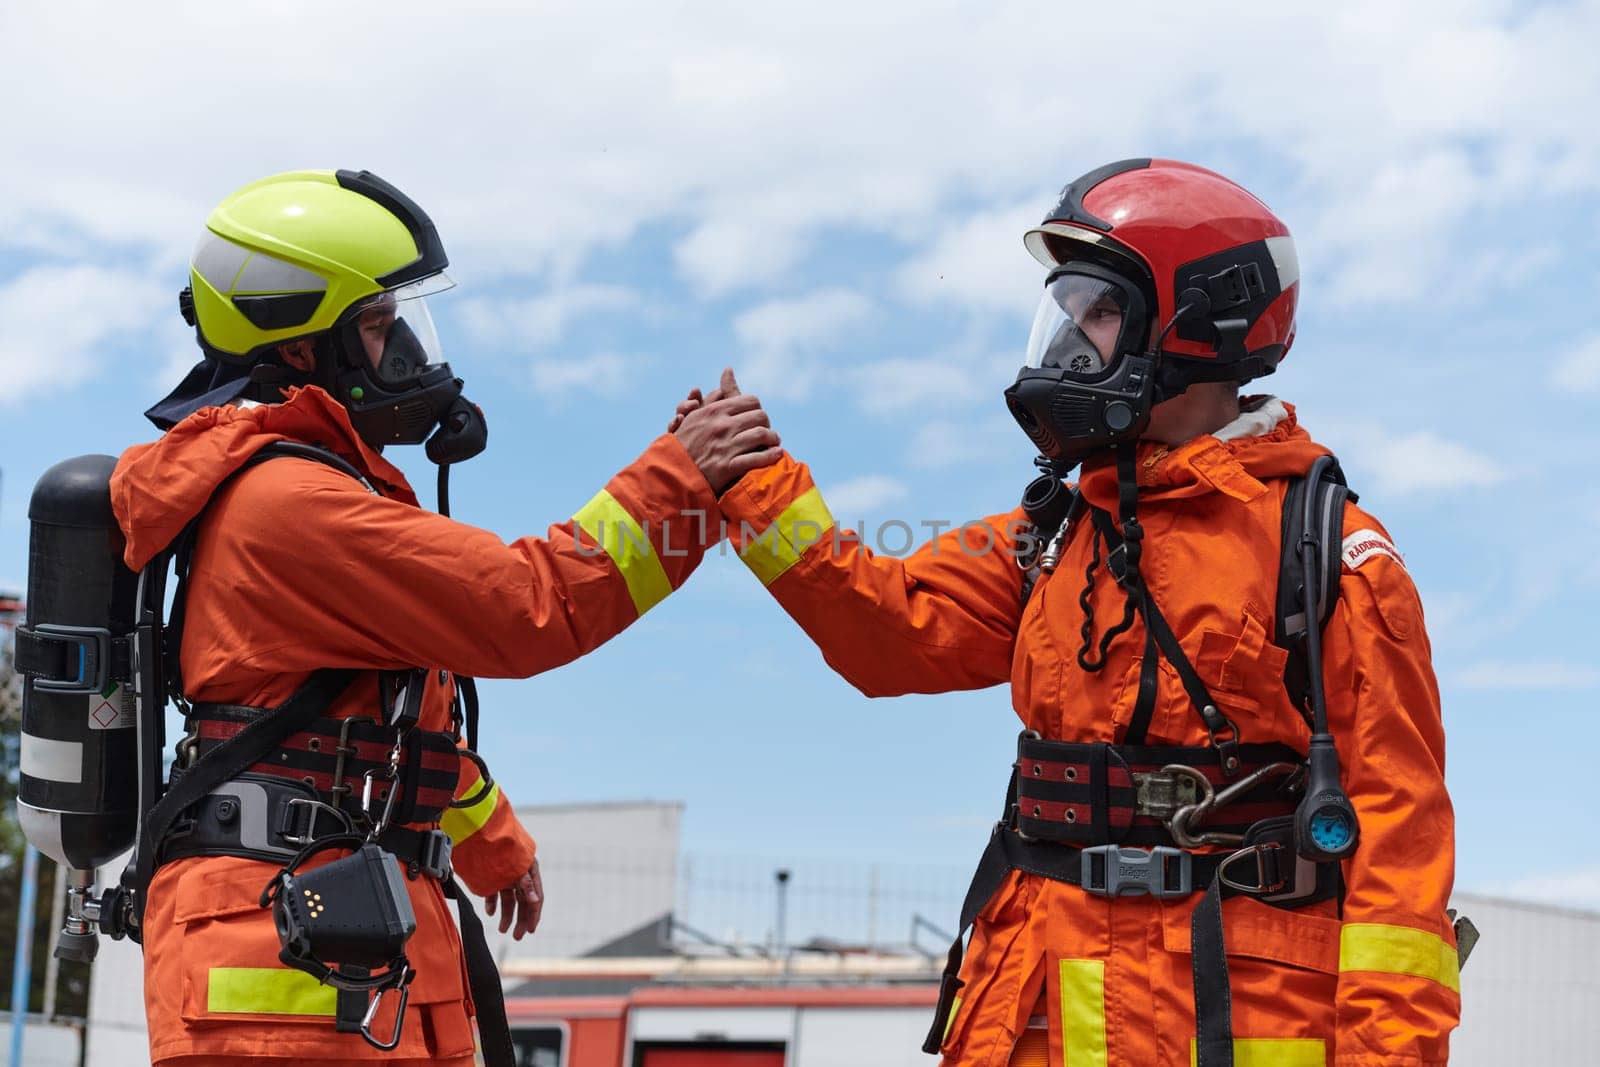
(1195, 243)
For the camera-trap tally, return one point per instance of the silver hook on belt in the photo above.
(392, 773)
(1182, 823)
(399, 1014)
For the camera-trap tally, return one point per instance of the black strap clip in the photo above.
(1123, 559)
(65, 659)
(433, 855)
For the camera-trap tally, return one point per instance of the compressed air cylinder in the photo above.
(78, 796)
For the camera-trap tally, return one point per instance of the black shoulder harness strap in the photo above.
(1331, 496)
(235, 755)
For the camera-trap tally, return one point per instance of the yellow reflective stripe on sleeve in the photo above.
(1083, 1013)
(950, 1020)
(626, 542)
(1398, 950)
(266, 991)
(780, 546)
(1271, 1052)
(462, 823)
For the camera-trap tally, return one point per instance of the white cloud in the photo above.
(56, 320)
(545, 138)
(539, 321)
(1529, 675)
(783, 339)
(606, 374)
(1578, 369)
(722, 255)
(978, 261)
(1417, 462)
(851, 500)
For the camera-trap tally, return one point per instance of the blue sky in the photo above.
(835, 207)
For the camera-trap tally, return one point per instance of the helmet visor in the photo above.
(394, 332)
(1083, 324)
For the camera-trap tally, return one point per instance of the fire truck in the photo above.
(843, 1011)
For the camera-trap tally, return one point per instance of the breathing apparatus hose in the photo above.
(1326, 828)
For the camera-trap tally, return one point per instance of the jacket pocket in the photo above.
(1255, 930)
(233, 978)
(1282, 978)
(230, 949)
(1245, 672)
(990, 961)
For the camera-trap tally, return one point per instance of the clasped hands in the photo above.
(725, 432)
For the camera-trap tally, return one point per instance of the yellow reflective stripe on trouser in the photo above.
(780, 546)
(950, 1020)
(625, 541)
(1271, 1052)
(462, 823)
(1398, 950)
(1083, 1013)
(266, 991)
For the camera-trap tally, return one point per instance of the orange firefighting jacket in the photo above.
(1373, 984)
(297, 567)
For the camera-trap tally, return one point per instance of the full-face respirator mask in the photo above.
(1089, 378)
(389, 377)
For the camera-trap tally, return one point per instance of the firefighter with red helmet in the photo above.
(1227, 838)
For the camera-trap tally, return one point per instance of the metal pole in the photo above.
(872, 909)
(783, 916)
(22, 968)
(52, 966)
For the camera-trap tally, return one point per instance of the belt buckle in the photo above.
(1162, 872)
(1283, 876)
(316, 808)
(1161, 794)
(342, 751)
(435, 858)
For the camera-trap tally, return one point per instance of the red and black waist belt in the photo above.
(1104, 794)
(1148, 820)
(336, 756)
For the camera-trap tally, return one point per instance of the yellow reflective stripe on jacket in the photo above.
(1398, 950)
(626, 542)
(266, 991)
(462, 823)
(780, 546)
(1272, 1052)
(1083, 1012)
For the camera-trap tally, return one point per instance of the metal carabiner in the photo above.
(1178, 825)
(186, 751)
(1185, 818)
(388, 802)
(399, 1014)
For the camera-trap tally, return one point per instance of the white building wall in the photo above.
(607, 869)
(1530, 994)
